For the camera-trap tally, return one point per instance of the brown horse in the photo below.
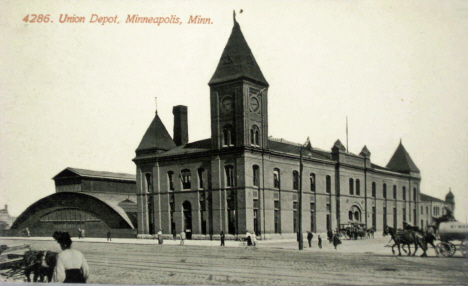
(406, 237)
(41, 264)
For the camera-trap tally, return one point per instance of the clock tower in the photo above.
(239, 93)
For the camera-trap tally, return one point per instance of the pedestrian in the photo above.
(309, 238)
(319, 242)
(330, 235)
(27, 232)
(254, 239)
(71, 265)
(109, 235)
(83, 233)
(182, 237)
(336, 241)
(79, 233)
(222, 238)
(160, 238)
(248, 237)
(174, 234)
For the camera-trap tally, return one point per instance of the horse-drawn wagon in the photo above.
(453, 236)
(11, 261)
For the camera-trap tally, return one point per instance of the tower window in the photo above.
(228, 136)
(149, 183)
(185, 177)
(256, 175)
(255, 136)
(351, 186)
(394, 192)
(170, 180)
(415, 194)
(229, 176)
(384, 191)
(358, 187)
(374, 189)
(404, 193)
(201, 182)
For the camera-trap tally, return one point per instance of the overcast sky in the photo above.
(82, 95)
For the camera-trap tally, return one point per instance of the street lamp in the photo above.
(301, 166)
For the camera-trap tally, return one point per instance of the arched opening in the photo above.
(355, 214)
(187, 209)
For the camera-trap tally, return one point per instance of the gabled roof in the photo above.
(156, 137)
(428, 198)
(401, 161)
(94, 174)
(237, 61)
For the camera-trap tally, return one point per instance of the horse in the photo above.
(406, 237)
(370, 231)
(41, 264)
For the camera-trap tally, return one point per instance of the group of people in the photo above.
(332, 238)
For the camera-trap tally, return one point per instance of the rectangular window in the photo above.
(277, 221)
(422, 210)
(328, 208)
(312, 182)
(351, 186)
(385, 191)
(328, 184)
(394, 192)
(358, 187)
(404, 214)
(404, 193)
(374, 189)
(394, 218)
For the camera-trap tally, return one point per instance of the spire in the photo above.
(156, 137)
(237, 60)
(338, 146)
(401, 161)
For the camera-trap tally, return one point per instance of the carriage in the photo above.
(352, 230)
(11, 261)
(453, 237)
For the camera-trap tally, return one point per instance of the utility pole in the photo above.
(301, 167)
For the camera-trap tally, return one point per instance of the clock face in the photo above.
(227, 104)
(254, 103)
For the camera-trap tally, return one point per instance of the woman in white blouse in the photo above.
(71, 264)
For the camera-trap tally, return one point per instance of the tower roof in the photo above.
(339, 146)
(237, 60)
(449, 195)
(401, 161)
(156, 137)
(365, 151)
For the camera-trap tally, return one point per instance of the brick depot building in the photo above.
(240, 179)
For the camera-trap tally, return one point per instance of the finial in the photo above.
(156, 102)
(400, 140)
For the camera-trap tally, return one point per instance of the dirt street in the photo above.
(272, 263)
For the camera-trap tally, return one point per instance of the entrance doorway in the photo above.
(187, 219)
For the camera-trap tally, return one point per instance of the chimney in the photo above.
(180, 125)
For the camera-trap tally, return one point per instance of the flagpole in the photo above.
(300, 237)
(347, 147)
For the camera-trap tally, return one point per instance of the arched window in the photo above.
(170, 180)
(312, 182)
(358, 187)
(276, 178)
(186, 179)
(384, 191)
(357, 216)
(374, 189)
(228, 136)
(351, 186)
(350, 215)
(255, 136)
(328, 184)
(295, 180)
(256, 175)
(394, 192)
(229, 170)
(149, 183)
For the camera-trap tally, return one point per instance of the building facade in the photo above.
(434, 208)
(241, 179)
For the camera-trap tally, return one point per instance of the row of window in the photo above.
(384, 191)
(229, 136)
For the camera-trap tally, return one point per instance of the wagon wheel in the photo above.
(446, 249)
(464, 248)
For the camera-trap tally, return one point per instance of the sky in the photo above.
(83, 94)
